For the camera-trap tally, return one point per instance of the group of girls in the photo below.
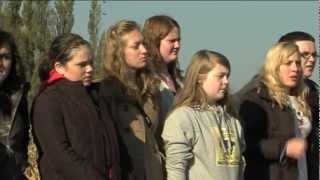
(143, 120)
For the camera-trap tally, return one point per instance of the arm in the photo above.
(260, 144)
(51, 133)
(178, 138)
(19, 133)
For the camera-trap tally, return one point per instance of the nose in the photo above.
(312, 59)
(89, 68)
(143, 49)
(177, 44)
(295, 67)
(225, 80)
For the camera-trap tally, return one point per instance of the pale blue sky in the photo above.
(241, 30)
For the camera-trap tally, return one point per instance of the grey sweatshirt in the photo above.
(203, 145)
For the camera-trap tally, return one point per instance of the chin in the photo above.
(219, 97)
(292, 85)
(141, 66)
(307, 74)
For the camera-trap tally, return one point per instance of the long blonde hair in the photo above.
(115, 65)
(269, 75)
(192, 93)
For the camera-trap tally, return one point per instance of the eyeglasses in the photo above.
(307, 55)
(6, 56)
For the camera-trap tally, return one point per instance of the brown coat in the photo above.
(267, 128)
(136, 124)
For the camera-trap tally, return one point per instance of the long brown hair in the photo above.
(155, 29)
(192, 93)
(115, 65)
(16, 76)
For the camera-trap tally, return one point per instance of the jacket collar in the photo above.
(112, 88)
(262, 91)
(74, 90)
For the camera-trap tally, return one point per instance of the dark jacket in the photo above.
(136, 124)
(267, 128)
(14, 125)
(313, 138)
(72, 139)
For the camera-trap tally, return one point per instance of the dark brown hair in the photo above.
(60, 51)
(16, 76)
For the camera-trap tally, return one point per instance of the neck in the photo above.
(212, 103)
(164, 69)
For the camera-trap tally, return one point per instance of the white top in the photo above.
(302, 129)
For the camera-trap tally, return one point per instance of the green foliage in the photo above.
(34, 24)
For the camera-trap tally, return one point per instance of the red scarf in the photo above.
(53, 77)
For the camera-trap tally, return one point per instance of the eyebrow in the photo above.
(84, 61)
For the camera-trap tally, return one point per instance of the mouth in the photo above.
(175, 51)
(88, 77)
(223, 91)
(309, 66)
(294, 78)
(143, 59)
(2, 72)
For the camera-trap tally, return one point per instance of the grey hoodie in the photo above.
(203, 144)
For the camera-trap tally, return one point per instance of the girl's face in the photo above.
(170, 45)
(79, 67)
(216, 83)
(290, 71)
(135, 53)
(5, 62)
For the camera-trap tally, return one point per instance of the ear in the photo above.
(59, 67)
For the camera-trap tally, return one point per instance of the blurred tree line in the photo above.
(35, 23)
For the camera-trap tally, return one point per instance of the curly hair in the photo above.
(269, 75)
(115, 65)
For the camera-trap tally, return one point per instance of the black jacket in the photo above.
(14, 125)
(72, 138)
(267, 128)
(313, 138)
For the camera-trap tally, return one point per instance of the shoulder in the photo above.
(182, 116)
(50, 95)
(248, 87)
(180, 124)
(256, 101)
(183, 110)
(258, 93)
(110, 87)
(311, 84)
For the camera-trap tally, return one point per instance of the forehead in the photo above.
(218, 68)
(132, 36)
(81, 53)
(4, 48)
(306, 45)
(293, 57)
(173, 33)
